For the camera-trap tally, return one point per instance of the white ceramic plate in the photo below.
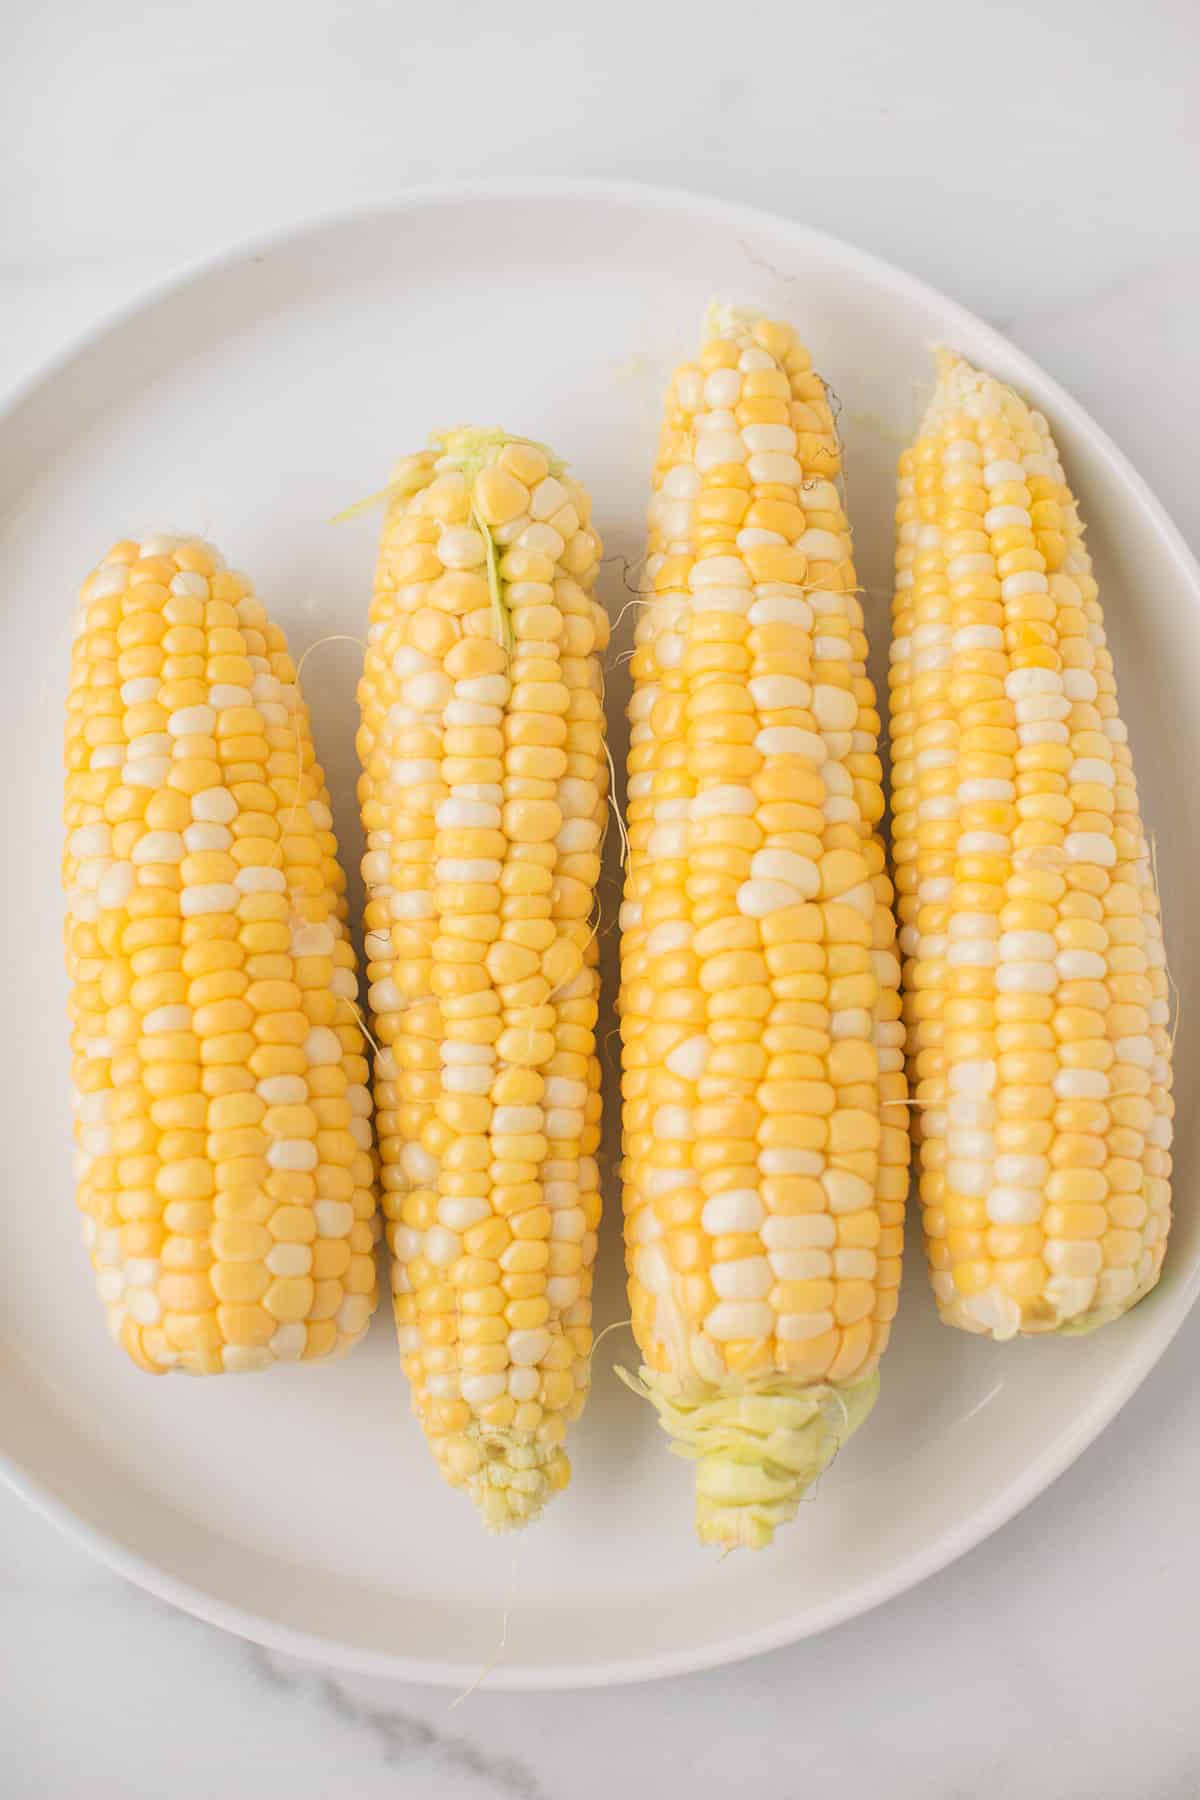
(251, 400)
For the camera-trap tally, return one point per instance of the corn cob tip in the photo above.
(954, 378)
(757, 1449)
(721, 317)
(961, 387)
(507, 1473)
(471, 448)
(945, 360)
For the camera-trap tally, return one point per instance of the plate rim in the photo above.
(1169, 1309)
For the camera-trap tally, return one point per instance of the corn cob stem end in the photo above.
(757, 1451)
(996, 1315)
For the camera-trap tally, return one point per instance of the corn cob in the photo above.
(483, 801)
(764, 1183)
(222, 1118)
(1036, 983)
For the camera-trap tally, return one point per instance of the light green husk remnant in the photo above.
(410, 483)
(501, 617)
(1083, 1323)
(757, 1451)
(1086, 1323)
(471, 448)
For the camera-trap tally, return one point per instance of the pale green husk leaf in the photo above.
(471, 448)
(758, 1450)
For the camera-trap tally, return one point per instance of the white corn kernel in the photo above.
(797, 1328)
(731, 1321)
(216, 897)
(745, 1278)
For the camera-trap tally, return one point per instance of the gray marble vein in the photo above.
(402, 1736)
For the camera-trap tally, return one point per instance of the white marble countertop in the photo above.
(1039, 164)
